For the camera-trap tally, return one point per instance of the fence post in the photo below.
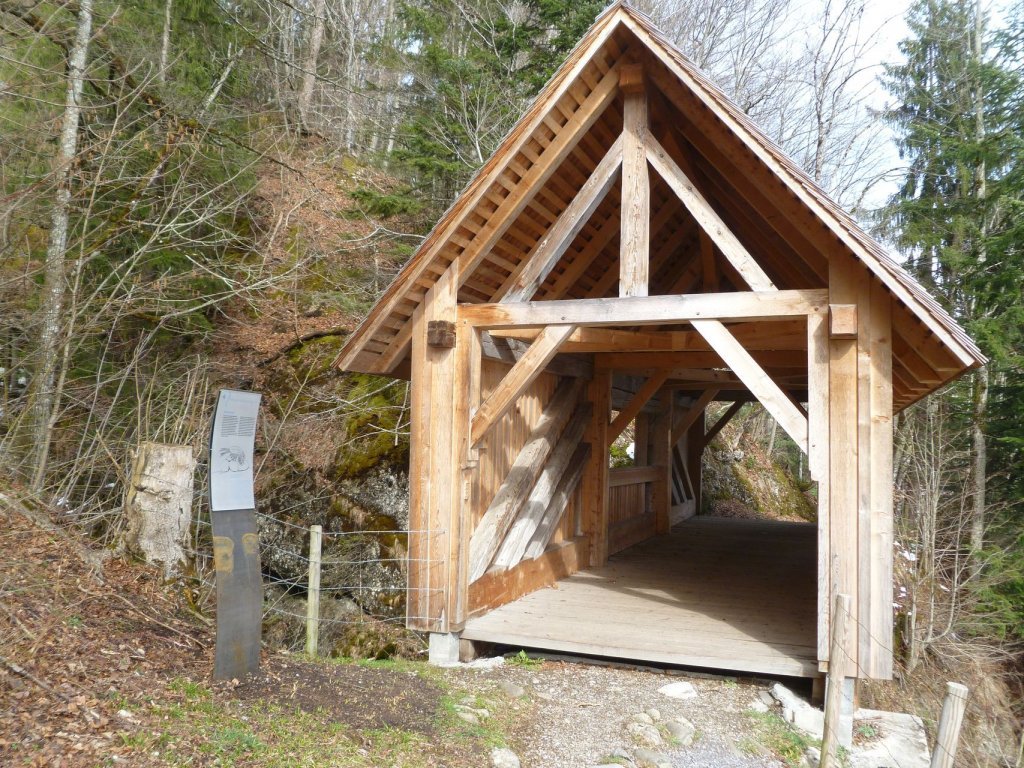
(313, 590)
(952, 718)
(834, 686)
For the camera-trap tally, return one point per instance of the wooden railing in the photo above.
(630, 511)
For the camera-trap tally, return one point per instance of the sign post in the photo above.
(236, 544)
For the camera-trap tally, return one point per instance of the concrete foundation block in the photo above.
(444, 648)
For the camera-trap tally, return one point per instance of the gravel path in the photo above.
(580, 713)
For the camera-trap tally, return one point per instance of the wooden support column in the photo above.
(595, 475)
(818, 462)
(843, 451)
(434, 495)
(694, 454)
(465, 461)
(661, 457)
(634, 238)
(875, 428)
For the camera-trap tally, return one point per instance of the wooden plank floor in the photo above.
(718, 593)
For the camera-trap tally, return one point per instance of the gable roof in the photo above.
(511, 203)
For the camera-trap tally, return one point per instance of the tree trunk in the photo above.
(224, 75)
(978, 470)
(979, 394)
(165, 43)
(316, 39)
(46, 400)
(158, 504)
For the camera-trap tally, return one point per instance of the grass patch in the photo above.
(524, 660)
(774, 735)
(204, 726)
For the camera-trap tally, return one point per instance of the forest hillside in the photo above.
(197, 194)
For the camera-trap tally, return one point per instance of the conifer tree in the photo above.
(958, 219)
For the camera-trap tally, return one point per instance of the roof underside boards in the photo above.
(778, 214)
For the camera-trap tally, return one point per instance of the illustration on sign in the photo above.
(231, 451)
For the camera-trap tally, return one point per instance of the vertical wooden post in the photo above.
(948, 737)
(694, 459)
(837, 665)
(634, 233)
(434, 479)
(641, 438)
(844, 446)
(880, 477)
(313, 591)
(818, 462)
(595, 476)
(661, 457)
(465, 460)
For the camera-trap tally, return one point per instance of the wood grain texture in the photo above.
(534, 270)
(647, 310)
(634, 406)
(595, 475)
(661, 457)
(844, 530)
(880, 552)
(500, 587)
(531, 513)
(433, 478)
(710, 222)
(692, 414)
(521, 478)
(818, 436)
(559, 503)
(635, 223)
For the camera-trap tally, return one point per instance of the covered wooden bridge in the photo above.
(635, 251)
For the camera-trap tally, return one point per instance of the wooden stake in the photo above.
(834, 686)
(313, 590)
(948, 736)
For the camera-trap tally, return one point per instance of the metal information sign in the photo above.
(231, 448)
(236, 545)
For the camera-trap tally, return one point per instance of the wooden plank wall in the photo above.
(630, 518)
(507, 437)
(497, 451)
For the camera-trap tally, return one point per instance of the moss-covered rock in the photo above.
(749, 482)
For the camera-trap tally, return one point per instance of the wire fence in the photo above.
(367, 580)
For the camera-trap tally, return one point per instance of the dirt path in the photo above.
(580, 715)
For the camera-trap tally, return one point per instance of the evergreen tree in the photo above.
(474, 65)
(958, 219)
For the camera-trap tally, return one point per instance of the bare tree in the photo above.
(316, 38)
(811, 98)
(46, 394)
